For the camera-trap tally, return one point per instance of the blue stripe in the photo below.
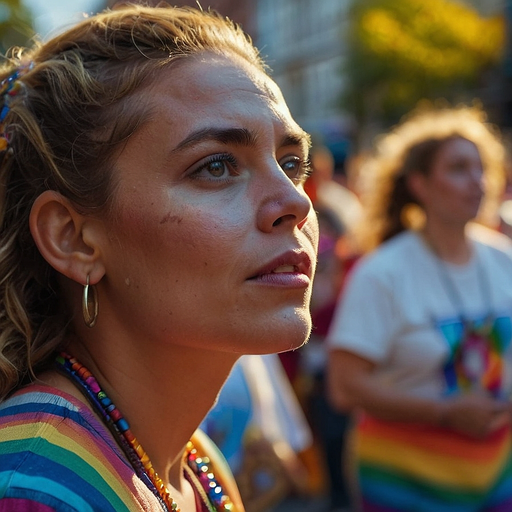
(502, 491)
(34, 408)
(26, 468)
(47, 492)
(400, 492)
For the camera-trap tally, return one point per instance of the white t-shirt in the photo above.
(402, 309)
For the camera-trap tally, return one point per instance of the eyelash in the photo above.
(225, 158)
(304, 171)
(307, 169)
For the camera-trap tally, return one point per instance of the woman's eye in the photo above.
(216, 167)
(458, 167)
(297, 169)
(464, 166)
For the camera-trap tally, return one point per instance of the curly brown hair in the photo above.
(81, 101)
(411, 146)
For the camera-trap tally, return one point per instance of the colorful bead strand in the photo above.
(119, 427)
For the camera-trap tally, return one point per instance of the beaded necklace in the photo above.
(211, 493)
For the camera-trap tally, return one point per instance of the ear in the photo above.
(67, 240)
(417, 185)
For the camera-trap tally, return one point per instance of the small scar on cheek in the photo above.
(127, 281)
(172, 218)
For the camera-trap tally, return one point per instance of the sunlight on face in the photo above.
(215, 239)
(454, 186)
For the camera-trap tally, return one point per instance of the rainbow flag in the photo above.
(419, 468)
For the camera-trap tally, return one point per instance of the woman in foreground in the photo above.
(421, 341)
(154, 228)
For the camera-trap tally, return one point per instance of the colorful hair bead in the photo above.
(10, 87)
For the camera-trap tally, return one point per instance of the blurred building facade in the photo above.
(487, 7)
(506, 82)
(303, 42)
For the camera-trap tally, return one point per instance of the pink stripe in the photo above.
(19, 505)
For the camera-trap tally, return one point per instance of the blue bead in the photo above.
(122, 424)
(4, 112)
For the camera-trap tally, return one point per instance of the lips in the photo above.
(291, 262)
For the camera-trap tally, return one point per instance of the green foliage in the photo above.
(15, 25)
(402, 51)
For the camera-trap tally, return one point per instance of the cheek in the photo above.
(183, 235)
(458, 186)
(448, 186)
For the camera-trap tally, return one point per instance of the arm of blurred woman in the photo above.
(352, 385)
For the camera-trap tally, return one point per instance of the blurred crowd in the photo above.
(400, 399)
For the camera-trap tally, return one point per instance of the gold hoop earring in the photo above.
(89, 319)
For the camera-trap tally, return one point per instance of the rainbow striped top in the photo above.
(55, 455)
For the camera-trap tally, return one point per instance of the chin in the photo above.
(282, 335)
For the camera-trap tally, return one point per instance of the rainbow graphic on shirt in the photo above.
(476, 349)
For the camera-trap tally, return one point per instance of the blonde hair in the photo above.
(389, 206)
(81, 99)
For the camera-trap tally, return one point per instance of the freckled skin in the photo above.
(188, 246)
(171, 218)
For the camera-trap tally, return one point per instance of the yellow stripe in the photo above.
(54, 436)
(429, 466)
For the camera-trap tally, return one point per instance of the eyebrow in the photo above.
(237, 136)
(300, 138)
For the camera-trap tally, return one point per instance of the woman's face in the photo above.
(453, 189)
(213, 240)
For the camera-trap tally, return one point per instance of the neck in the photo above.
(163, 399)
(448, 241)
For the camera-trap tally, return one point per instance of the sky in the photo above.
(51, 16)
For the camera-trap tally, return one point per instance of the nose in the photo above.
(285, 204)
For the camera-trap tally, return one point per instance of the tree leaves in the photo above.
(15, 24)
(401, 51)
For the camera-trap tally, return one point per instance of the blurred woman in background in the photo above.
(420, 344)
